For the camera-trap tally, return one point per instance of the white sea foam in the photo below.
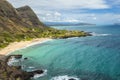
(13, 61)
(73, 38)
(65, 77)
(30, 67)
(96, 34)
(40, 75)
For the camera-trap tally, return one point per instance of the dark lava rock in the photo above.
(17, 56)
(15, 72)
(38, 72)
(18, 67)
(12, 56)
(25, 58)
(72, 79)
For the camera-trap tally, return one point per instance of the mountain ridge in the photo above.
(23, 24)
(29, 17)
(12, 20)
(15, 27)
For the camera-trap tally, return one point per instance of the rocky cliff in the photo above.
(18, 24)
(19, 20)
(29, 17)
(11, 72)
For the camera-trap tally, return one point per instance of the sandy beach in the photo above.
(22, 44)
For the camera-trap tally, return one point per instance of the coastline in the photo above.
(22, 44)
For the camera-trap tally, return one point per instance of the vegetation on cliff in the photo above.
(23, 24)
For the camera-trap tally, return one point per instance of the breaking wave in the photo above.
(66, 77)
(40, 75)
(14, 61)
(96, 34)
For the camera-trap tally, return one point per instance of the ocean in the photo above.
(94, 57)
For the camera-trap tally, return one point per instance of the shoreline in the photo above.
(21, 45)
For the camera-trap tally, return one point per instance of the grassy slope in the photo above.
(23, 24)
(7, 37)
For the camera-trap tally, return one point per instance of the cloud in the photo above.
(73, 10)
(115, 2)
(57, 14)
(85, 17)
(50, 16)
(71, 20)
(63, 4)
(105, 18)
(94, 18)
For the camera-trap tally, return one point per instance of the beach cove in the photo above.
(22, 44)
(86, 58)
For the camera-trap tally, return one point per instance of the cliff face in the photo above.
(7, 10)
(19, 20)
(7, 17)
(29, 17)
(18, 24)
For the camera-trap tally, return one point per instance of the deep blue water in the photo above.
(87, 58)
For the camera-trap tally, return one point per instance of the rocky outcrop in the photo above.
(15, 72)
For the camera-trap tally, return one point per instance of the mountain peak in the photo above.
(12, 19)
(6, 9)
(29, 16)
(26, 7)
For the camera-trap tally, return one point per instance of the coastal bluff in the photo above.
(11, 72)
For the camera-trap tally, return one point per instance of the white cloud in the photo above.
(119, 20)
(53, 10)
(115, 2)
(70, 20)
(73, 20)
(107, 18)
(50, 16)
(63, 4)
(57, 14)
(94, 18)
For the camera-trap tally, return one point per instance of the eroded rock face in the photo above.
(15, 72)
(16, 20)
(29, 17)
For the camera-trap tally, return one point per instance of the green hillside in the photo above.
(23, 24)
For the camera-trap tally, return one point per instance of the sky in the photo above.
(88, 11)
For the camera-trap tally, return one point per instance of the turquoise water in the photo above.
(88, 58)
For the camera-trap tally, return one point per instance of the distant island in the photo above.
(67, 24)
(22, 24)
(116, 23)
